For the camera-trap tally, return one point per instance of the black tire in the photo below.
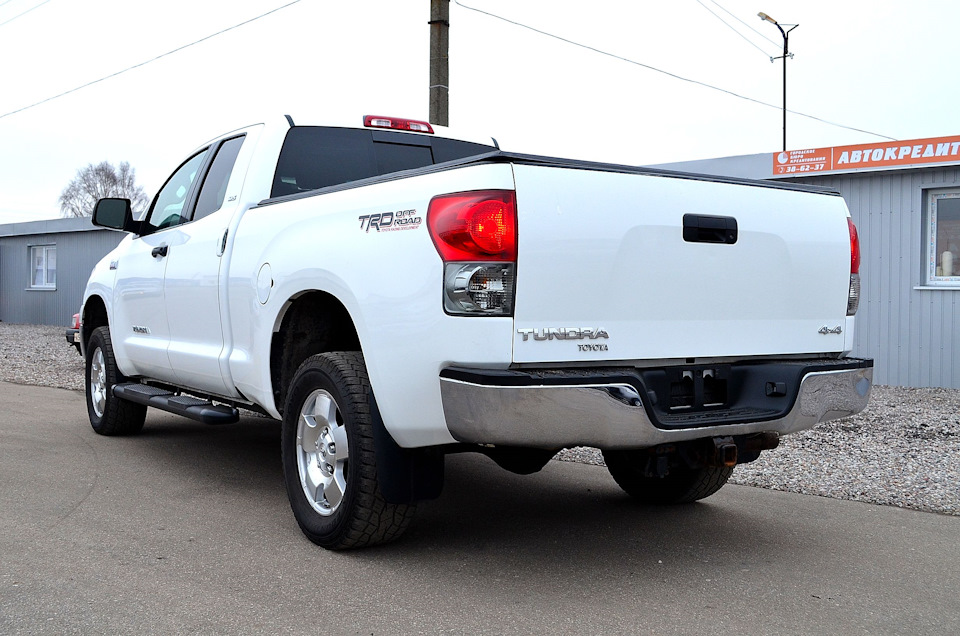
(680, 485)
(328, 405)
(108, 415)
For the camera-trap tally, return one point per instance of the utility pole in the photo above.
(439, 62)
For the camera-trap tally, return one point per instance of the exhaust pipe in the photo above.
(767, 440)
(750, 446)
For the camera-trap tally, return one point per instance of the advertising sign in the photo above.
(800, 161)
(867, 156)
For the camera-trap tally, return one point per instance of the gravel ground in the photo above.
(39, 355)
(903, 450)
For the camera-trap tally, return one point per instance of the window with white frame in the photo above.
(43, 267)
(943, 239)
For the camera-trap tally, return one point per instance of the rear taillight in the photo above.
(854, 248)
(397, 123)
(475, 234)
(474, 225)
(853, 296)
(76, 321)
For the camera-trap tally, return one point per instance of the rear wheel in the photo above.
(681, 484)
(329, 463)
(108, 415)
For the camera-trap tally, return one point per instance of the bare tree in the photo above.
(98, 181)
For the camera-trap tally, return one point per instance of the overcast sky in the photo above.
(883, 66)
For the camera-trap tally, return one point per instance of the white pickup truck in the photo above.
(393, 295)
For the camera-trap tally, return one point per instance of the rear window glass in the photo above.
(316, 157)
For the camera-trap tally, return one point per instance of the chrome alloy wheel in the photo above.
(322, 452)
(98, 382)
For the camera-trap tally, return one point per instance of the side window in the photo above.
(314, 157)
(215, 183)
(168, 207)
(43, 267)
(943, 239)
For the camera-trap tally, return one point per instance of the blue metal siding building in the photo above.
(910, 328)
(43, 286)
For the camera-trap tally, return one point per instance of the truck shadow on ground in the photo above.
(569, 510)
(528, 525)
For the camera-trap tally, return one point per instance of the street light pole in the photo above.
(786, 54)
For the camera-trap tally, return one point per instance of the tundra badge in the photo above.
(561, 333)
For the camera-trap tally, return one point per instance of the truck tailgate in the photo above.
(604, 272)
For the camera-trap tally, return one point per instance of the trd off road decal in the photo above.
(391, 221)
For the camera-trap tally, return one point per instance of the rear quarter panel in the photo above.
(389, 281)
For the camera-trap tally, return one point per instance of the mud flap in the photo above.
(406, 475)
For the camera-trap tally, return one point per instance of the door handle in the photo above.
(223, 243)
(159, 251)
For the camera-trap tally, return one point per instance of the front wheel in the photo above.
(681, 484)
(329, 462)
(108, 415)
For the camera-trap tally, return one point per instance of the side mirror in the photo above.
(115, 214)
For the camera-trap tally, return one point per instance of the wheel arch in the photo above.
(311, 322)
(94, 315)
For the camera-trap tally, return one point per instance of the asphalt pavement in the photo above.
(186, 529)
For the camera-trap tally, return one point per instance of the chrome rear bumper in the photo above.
(574, 409)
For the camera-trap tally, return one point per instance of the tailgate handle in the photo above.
(701, 228)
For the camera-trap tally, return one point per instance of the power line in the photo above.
(730, 26)
(24, 13)
(776, 44)
(667, 73)
(162, 55)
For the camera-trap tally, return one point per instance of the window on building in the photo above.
(943, 239)
(43, 267)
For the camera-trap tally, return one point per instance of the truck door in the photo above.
(140, 330)
(191, 283)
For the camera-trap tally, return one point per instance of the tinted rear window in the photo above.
(315, 157)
